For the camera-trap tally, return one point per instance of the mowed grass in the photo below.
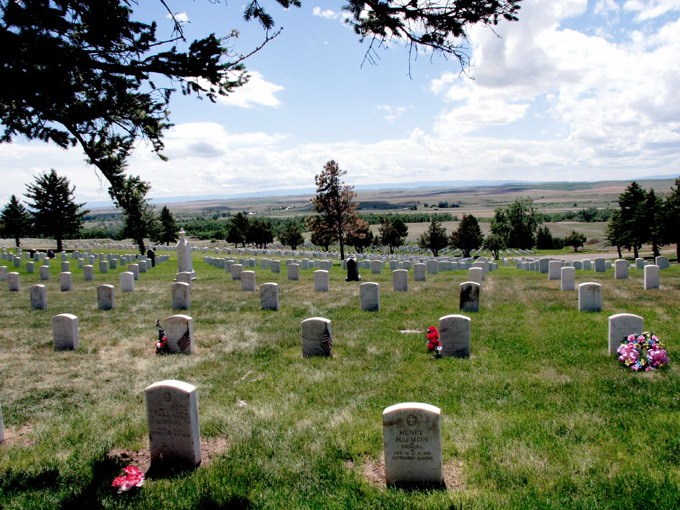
(539, 416)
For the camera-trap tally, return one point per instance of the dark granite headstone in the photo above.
(352, 271)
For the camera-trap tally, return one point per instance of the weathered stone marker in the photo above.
(293, 272)
(567, 278)
(621, 269)
(369, 295)
(317, 337)
(590, 297)
(106, 297)
(400, 280)
(248, 281)
(127, 281)
(623, 324)
(172, 418)
(413, 445)
(321, 283)
(38, 296)
(419, 272)
(651, 277)
(65, 281)
(454, 334)
(179, 330)
(554, 269)
(352, 271)
(65, 331)
(269, 296)
(181, 295)
(469, 296)
(13, 282)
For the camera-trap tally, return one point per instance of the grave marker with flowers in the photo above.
(642, 352)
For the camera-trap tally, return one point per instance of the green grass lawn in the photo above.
(539, 416)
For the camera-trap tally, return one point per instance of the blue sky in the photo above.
(576, 90)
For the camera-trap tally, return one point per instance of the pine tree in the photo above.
(468, 236)
(15, 220)
(393, 232)
(434, 238)
(291, 235)
(167, 228)
(55, 214)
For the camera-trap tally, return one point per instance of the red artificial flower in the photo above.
(133, 477)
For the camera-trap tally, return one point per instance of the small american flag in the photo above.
(184, 342)
(326, 342)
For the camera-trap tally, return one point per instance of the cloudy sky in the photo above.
(576, 90)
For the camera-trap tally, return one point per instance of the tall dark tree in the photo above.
(291, 235)
(53, 208)
(494, 244)
(167, 228)
(260, 233)
(393, 232)
(517, 223)
(139, 218)
(575, 239)
(237, 229)
(15, 220)
(615, 232)
(671, 221)
(335, 205)
(633, 218)
(360, 236)
(468, 236)
(82, 72)
(654, 211)
(434, 238)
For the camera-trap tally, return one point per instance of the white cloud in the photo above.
(325, 13)
(391, 113)
(180, 17)
(257, 91)
(651, 9)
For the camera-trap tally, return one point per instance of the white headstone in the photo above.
(65, 281)
(65, 331)
(106, 297)
(44, 273)
(454, 335)
(236, 270)
(432, 266)
(276, 266)
(38, 296)
(554, 269)
(419, 272)
(321, 280)
(181, 296)
(600, 265)
(172, 418)
(590, 297)
(269, 296)
(476, 274)
(88, 273)
(317, 339)
(127, 281)
(294, 272)
(13, 282)
(103, 266)
(622, 325)
(184, 262)
(179, 330)
(400, 280)
(413, 445)
(376, 266)
(621, 269)
(248, 281)
(134, 269)
(369, 294)
(662, 262)
(567, 278)
(651, 280)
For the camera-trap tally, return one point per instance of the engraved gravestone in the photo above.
(476, 274)
(172, 419)
(248, 281)
(179, 330)
(127, 281)
(590, 297)
(651, 277)
(469, 296)
(621, 325)
(567, 278)
(269, 296)
(88, 273)
(106, 297)
(369, 295)
(621, 269)
(554, 267)
(181, 295)
(236, 270)
(65, 281)
(352, 271)
(413, 445)
(38, 297)
(65, 331)
(317, 337)
(400, 280)
(454, 335)
(419, 271)
(321, 280)
(294, 272)
(13, 282)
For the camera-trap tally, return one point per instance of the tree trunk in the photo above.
(618, 248)
(17, 241)
(60, 245)
(635, 251)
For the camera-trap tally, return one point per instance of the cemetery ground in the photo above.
(540, 416)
